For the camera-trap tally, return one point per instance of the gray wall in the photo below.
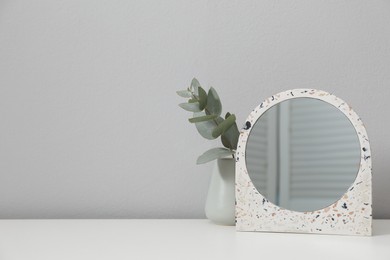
(90, 126)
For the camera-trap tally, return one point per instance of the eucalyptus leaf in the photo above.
(224, 126)
(202, 98)
(230, 137)
(206, 128)
(195, 85)
(193, 107)
(226, 142)
(184, 93)
(202, 118)
(213, 154)
(214, 106)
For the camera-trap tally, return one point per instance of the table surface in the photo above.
(177, 239)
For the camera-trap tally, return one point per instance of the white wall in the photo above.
(90, 126)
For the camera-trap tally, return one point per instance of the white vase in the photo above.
(220, 202)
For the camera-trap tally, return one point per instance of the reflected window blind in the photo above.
(320, 159)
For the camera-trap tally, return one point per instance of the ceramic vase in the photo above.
(220, 202)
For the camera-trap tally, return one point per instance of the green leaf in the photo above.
(202, 118)
(202, 98)
(195, 85)
(184, 93)
(214, 106)
(193, 107)
(205, 128)
(224, 126)
(230, 137)
(213, 154)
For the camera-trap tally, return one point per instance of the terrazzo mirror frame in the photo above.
(351, 214)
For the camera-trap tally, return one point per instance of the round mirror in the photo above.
(303, 154)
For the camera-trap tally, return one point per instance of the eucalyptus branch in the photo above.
(207, 109)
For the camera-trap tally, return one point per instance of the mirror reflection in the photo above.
(303, 154)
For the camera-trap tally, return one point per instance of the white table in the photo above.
(176, 239)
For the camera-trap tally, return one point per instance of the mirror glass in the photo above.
(303, 154)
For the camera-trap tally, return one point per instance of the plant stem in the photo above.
(215, 121)
(197, 99)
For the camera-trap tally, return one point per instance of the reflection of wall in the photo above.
(262, 149)
(258, 161)
(317, 157)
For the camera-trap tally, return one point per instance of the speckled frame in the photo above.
(350, 215)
